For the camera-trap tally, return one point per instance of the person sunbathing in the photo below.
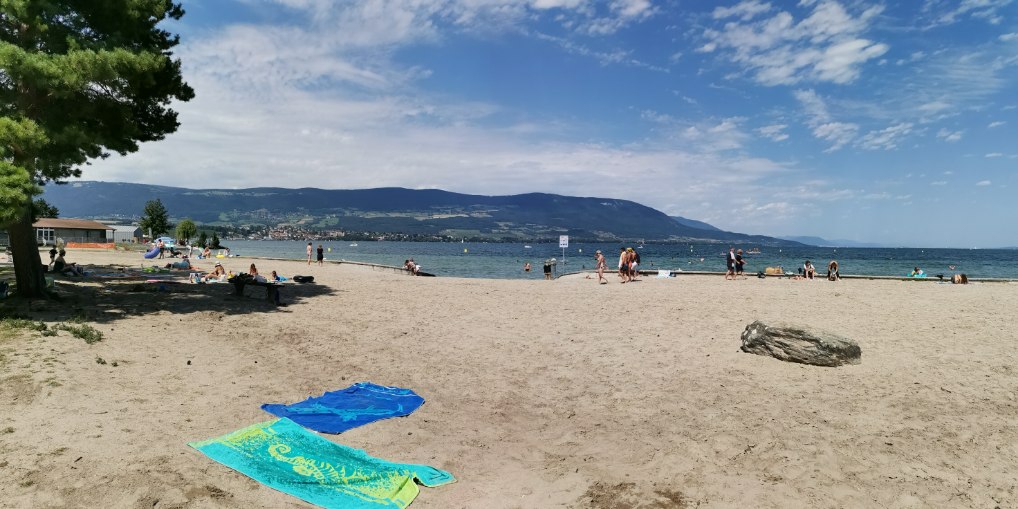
(253, 272)
(218, 274)
(184, 263)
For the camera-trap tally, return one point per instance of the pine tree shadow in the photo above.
(109, 300)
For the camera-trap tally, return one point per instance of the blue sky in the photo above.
(891, 122)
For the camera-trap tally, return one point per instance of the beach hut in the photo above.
(85, 231)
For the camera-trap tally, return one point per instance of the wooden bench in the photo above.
(270, 287)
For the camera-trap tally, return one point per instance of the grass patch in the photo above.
(22, 323)
(87, 332)
(79, 316)
(8, 430)
(100, 360)
(49, 333)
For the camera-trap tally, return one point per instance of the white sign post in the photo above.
(563, 242)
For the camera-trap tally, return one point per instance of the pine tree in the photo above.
(154, 220)
(78, 81)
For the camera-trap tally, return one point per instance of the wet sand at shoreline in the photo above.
(559, 393)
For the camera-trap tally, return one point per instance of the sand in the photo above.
(539, 394)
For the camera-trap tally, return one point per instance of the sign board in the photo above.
(563, 241)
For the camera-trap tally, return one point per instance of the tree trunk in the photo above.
(28, 270)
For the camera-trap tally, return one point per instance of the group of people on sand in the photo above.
(629, 264)
(319, 253)
(735, 264)
(808, 271)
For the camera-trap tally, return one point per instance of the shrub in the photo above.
(87, 332)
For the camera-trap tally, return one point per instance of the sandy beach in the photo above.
(539, 394)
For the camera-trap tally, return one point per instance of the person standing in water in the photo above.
(309, 253)
(321, 255)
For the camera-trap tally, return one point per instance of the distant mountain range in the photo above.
(534, 216)
(693, 223)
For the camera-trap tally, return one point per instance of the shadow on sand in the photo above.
(100, 300)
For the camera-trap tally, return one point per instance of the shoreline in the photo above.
(643, 272)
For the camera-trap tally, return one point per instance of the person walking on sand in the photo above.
(730, 264)
(321, 255)
(740, 263)
(601, 264)
(162, 247)
(309, 253)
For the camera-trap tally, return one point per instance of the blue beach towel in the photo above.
(357, 405)
(284, 456)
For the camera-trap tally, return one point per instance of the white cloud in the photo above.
(993, 155)
(997, 123)
(982, 9)
(1013, 36)
(838, 134)
(885, 139)
(774, 132)
(825, 46)
(745, 10)
(939, 183)
(950, 136)
(983, 183)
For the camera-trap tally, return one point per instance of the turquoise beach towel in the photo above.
(286, 457)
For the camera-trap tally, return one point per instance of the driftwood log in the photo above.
(800, 344)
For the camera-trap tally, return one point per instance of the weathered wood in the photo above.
(800, 344)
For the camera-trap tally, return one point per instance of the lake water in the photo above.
(505, 261)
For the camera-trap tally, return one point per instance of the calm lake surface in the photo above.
(505, 261)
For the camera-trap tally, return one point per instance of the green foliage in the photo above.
(16, 188)
(215, 241)
(155, 221)
(99, 360)
(186, 230)
(22, 323)
(78, 80)
(41, 208)
(87, 332)
(203, 239)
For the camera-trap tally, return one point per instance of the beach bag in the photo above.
(304, 279)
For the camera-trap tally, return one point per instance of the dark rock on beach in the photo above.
(799, 344)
